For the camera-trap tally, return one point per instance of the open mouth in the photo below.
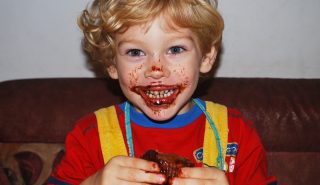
(160, 96)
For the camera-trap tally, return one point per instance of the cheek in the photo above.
(132, 76)
(186, 75)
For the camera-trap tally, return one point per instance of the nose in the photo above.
(157, 69)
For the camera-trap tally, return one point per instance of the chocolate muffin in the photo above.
(170, 164)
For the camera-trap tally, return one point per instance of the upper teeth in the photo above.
(159, 94)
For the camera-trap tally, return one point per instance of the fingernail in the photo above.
(180, 174)
(161, 178)
(174, 182)
(155, 166)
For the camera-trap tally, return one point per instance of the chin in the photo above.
(160, 115)
(162, 112)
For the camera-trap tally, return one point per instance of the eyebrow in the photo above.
(131, 40)
(185, 37)
(136, 41)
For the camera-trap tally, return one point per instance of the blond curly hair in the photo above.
(103, 18)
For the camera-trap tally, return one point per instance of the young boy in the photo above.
(157, 50)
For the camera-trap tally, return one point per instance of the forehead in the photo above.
(158, 27)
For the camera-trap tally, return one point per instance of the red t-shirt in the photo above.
(246, 159)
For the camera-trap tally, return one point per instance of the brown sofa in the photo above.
(36, 114)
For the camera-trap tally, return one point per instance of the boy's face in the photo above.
(158, 68)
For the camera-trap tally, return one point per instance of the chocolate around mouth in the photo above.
(158, 95)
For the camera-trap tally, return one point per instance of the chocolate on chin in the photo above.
(170, 164)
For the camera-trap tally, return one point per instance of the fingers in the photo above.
(137, 175)
(134, 170)
(202, 173)
(129, 162)
(182, 181)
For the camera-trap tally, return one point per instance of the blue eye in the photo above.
(176, 50)
(135, 52)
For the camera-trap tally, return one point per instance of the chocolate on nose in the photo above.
(157, 71)
(156, 68)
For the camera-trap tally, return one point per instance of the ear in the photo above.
(112, 71)
(208, 60)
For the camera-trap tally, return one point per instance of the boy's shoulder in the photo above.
(88, 122)
(235, 116)
(242, 128)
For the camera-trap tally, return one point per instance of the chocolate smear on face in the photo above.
(158, 96)
(162, 97)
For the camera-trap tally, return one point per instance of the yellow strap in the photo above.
(219, 116)
(111, 138)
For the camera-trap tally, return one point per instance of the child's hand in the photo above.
(201, 175)
(127, 170)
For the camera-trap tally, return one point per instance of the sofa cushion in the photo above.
(294, 167)
(28, 163)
